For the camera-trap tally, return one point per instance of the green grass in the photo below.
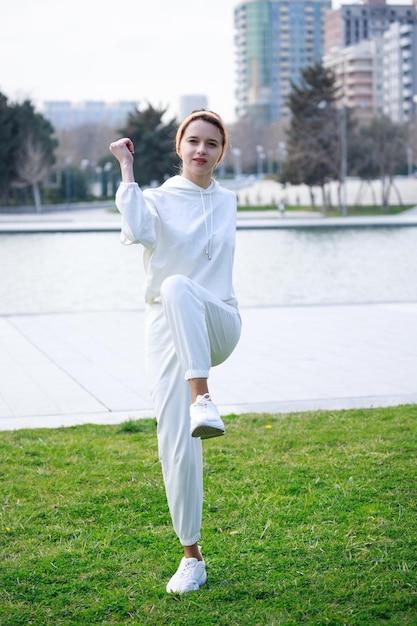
(308, 519)
(352, 211)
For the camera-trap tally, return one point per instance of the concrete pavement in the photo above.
(74, 368)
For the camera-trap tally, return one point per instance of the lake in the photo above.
(63, 272)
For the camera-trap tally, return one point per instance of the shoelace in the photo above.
(204, 399)
(187, 566)
(202, 402)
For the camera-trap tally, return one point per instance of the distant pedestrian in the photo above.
(187, 227)
(281, 207)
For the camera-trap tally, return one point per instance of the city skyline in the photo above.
(76, 51)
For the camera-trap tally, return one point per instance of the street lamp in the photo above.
(84, 167)
(343, 159)
(106, 178)
(68, 181)
(261, 157)
(237, 164)
(282, 155)
(323, 104)
(409, 160)
(270, 162)
(413, 136)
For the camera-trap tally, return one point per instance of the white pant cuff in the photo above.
(191, 541)
(196, 374)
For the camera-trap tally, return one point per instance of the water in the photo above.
(93, 272)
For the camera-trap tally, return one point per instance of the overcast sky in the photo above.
(149, 51)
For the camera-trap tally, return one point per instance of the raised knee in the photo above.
(174, 285)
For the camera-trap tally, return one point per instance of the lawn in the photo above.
(352, 211)
(309, 518)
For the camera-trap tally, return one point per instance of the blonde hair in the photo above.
(205, 116)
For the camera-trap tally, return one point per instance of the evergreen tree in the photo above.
(313, 147)
(26, 149)
(154, 141)
(6, 146)
(28, 123)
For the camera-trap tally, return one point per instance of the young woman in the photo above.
(187, 227)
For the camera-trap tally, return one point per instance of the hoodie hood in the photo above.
(183, 184)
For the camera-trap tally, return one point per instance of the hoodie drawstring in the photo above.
(209, 233)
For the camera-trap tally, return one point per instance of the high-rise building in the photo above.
(359, 77)
(66, 115)
(275, 40)
(400, 72)
(372, 49)
(192, 102)
(352, 23)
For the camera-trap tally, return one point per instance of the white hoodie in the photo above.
(185, 230)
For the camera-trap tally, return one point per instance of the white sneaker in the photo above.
(205, 419)
(190, 576)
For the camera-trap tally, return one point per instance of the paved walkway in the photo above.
(73, 368)
(103, 220)
(65, 369)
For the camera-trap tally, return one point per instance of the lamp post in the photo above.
(343, 142)
(343, 159)
(412, 137)
(261, 157)
(323, 104)
(409, 160)
(237, 163)
(84, 167)
(68, 181)
(282, 155)
(106, 178)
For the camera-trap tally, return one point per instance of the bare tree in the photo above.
(246, 135)
(86, 143)
(381, 152)
(32, 168)
(412, 146)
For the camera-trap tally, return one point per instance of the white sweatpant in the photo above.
(188, 333)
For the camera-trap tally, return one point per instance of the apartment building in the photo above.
(400, 72)
(274, 41)
(191, 102)
(359, 77)
(352, 23)
(66, 115)
(371, 47)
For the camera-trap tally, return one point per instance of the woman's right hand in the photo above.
(123, 150)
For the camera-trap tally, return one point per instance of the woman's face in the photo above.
(200, 148)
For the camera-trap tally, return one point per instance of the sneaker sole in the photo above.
(207, 432)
